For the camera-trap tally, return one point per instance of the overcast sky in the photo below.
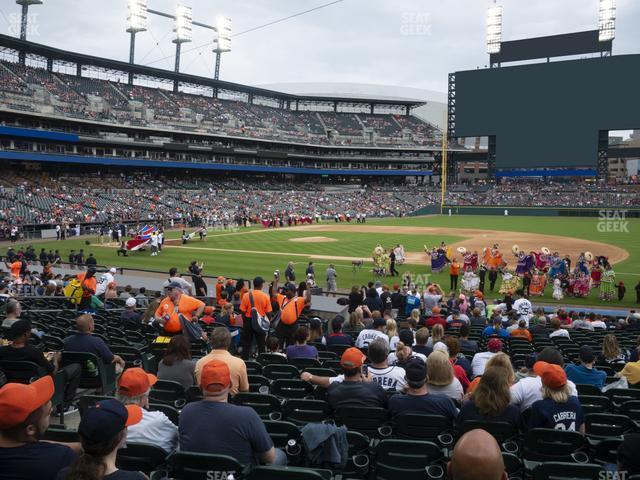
(395, 42)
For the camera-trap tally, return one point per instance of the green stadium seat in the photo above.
(406, 459)
(198, 466)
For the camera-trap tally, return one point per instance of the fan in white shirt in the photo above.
(365, 337)
(104, 280)
(523, 307)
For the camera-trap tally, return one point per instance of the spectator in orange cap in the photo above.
(215, 426)
(558, 409)
(154, 428)
(24, 417)
(355, 390)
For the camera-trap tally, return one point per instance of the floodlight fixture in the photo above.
(184, 24)
(494, 28)
(137, 16)
(607, 20)
(223, 25)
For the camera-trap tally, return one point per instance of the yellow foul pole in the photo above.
(443, 170)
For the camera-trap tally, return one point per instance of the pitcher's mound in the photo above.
(313, 239)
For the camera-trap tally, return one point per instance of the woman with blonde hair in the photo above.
(392, 333)
(441, 378)
(501, 360)
(490, 401)
(437, 334)
(612, 355)
(558, 409)
(356, 321)
(415, 315)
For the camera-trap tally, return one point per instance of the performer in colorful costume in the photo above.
(607, 284)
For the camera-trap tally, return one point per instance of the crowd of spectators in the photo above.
(490, 373)
(141, 105)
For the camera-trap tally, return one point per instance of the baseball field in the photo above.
(258, 251)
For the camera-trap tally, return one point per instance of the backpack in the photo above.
(73, 291)
(259, 323)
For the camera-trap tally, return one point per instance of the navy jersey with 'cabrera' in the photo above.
(561, 416)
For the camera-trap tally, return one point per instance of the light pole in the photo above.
(24, 22)
(136, 22)
(223, 44)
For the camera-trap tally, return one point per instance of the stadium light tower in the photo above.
(24, 20)
(136, 22)
(607, 20)
(183, 29)
(223, 42)
(494, 28)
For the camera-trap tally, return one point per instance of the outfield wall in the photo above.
(528, 211)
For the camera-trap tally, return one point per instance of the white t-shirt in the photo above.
(365, 337)
(389, 378)
(524, 309)
(392, 359)
(155, 428)
(154, 240)
(454, 390)
(529, 390)
(103, 281)
(479, 362)
(561, 332)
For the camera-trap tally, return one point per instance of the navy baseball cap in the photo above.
(106, 419)
(415, 370)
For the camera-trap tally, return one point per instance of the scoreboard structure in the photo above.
(549, 114)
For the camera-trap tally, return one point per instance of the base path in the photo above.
(477, 239)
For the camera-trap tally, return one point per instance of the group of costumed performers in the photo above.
(385, 262)
(534, 272)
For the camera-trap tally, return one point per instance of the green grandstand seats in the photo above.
(258, 381)
(303, 363)
(198, 466)
(264, 404)
(305, 411)
(501, 431)
(291, 388)
(599, 426)
(168, 392)
(95, 373)
(271, 358)
(595, 403)
(281, 432)
(590, 390)
(253, 368)
(567, 471)
(268, 472)
(621, 395)
(283, 371)
(420, 426)
(366, 420)
(171, 412)
(406, 459)
(140, 457)
(550, 445)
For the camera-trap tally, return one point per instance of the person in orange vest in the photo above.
(89, 285)
(290, 307)
(177, 303)
(262, 304)
(454, 273)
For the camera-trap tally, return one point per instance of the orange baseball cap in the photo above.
(215, 376)
(18, 401)
(552, 376)
(208, 310)
(135, 382)
(352, 358)
(220, 279)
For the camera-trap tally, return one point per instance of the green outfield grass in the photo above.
(274, 249)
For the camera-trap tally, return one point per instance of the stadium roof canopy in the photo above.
(52, 54)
